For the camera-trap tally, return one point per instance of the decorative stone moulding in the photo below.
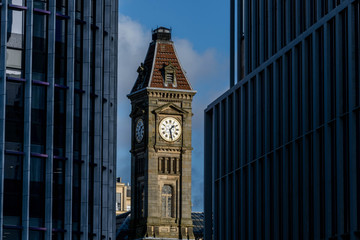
(167, 149)
(170, 95)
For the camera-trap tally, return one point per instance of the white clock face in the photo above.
(139, 131)
(170, 129)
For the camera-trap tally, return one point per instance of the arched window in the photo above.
(167, 201)
(142, 201)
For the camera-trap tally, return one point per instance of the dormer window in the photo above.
(170, 78)
(169, 75)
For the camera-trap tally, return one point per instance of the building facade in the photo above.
(123, 197)
(282, 144)
(58, 81)
(161, 148)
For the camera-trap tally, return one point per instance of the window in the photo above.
(78, 55)
(18, 2)
(79, 5)
(60, 51)
(12, 233)
(15, 44)
(76, 207)
(38, 235)
(78, 42)
(61, 6)
(12, 190)
(14, 126)
(142, 206)
(38, 119)
(41, 4)
(167, 201)
(170, 78)
(169, 73)
(59, 122)
(37, 192)
(118, 201)
(58, 194)
(77, 125)
(39, 47)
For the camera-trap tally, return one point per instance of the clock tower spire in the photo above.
(161, 147)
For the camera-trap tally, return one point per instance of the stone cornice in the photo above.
(170, 94)
(164, 93)
(170, 149)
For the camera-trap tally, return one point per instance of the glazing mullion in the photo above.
(353, 163)
(70, 56)
(3, 31)
(51, 31)
(27, 119)
(85, 135)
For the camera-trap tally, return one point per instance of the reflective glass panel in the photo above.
(17, 2)
(38, 119)
(15, 44)
(36, 235)
(14, 126)
(75, 236)
(77, 126)
(78, 55)
(37, 192)
(79, 9)
(39, 63)
(58, 194)
(15, 36)
(41, 4)
(93, 11)
(61, 6)
(14, 63)
(91, 198)
(13, 190)
(92, 129)
(60, 51)
(11, 234)
(76, 196)
(59, 122)
(57, 236)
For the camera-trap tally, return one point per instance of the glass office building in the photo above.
(58, 81)
(282, 145)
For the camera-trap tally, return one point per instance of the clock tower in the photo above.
(161, 148)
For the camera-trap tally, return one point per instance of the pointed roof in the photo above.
(161, 65)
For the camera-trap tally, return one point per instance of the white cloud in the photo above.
(197, 65)
(133, 43)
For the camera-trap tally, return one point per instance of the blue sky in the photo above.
(200, 30)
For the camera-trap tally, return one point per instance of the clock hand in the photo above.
(171, 132)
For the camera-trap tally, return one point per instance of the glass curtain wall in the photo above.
(38, 121)
(14, 124)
